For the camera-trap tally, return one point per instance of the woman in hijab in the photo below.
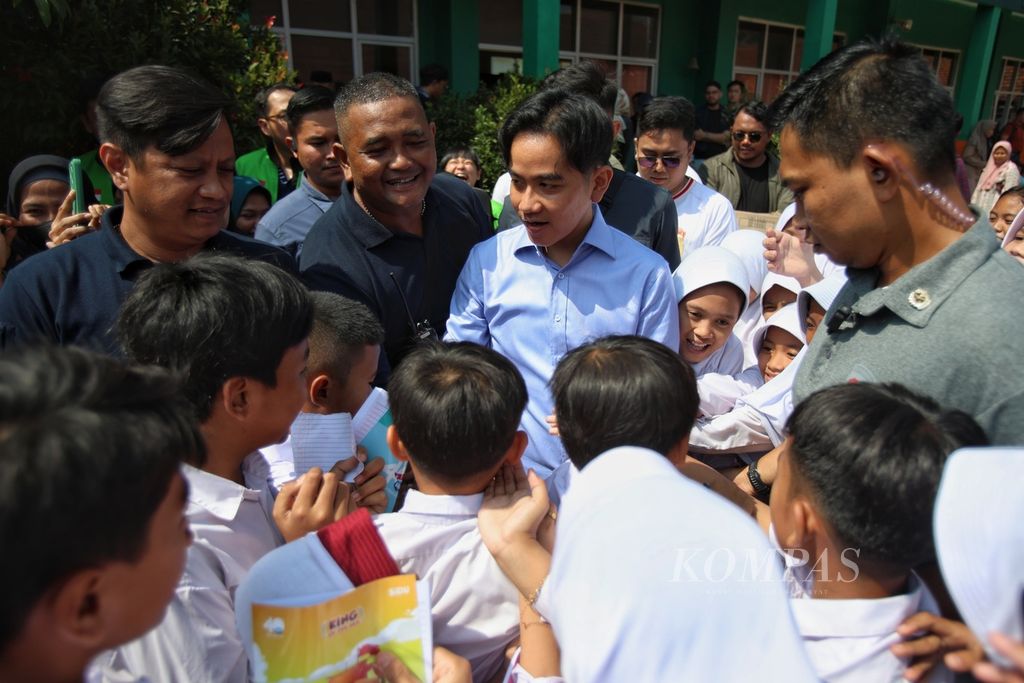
(249, 203)
(999, 174)
(35, 190)
(977, 149)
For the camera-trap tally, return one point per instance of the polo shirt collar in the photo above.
(222, 497)
(919, 292)
(318, 197)
(443, 506)
(824, 618)
(599, 236)
(367, 230)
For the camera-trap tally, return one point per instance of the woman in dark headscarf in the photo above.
(249, 203)
(35, 191)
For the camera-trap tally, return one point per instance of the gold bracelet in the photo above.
(535, 593)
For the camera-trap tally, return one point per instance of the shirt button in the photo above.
(558, 318)
(920, 299)
(561, 276)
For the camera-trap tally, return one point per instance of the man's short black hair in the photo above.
(576, 121)
(871, 456)
(263, 96)
(668, 113)
(456, 407)
(871, 92)
(433, 73)
(158, 106)
(88, 449)
(758, 111)
(309, 100)
(460, 153)
(342, 328)
(741, 84)
(713, 83)
(370, 88)
(586, 78)
(623, 391)
(212, 318)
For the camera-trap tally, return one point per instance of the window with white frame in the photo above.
(1010, 91)
(623, 37)
(944, 63)
(768, 55)
(501, 38)
(339, 40)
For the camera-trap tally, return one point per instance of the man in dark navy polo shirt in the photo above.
(169, 149)
(398, 237)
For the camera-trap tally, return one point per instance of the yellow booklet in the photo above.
(337, 640)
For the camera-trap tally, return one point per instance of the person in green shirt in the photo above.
(273, 165)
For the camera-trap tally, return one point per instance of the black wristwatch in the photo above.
(761, 489)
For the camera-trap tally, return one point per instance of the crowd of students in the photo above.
(627, 435)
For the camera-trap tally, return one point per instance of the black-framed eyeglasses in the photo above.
(739, 135)
(651, 162)
(279, 117)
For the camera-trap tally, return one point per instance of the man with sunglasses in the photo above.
(273, 164)
(664, 147)
(746, 174)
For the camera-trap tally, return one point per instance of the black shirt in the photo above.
(349, 253)
(634, 206)
(753, 188)
(710, 121)
(71, 294)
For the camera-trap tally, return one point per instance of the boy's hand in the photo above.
(448, 668)
(788, 255)
(552, 421)
(514, 507)
(987, 672)
(929, 639)
(311, 502)
(370, 483)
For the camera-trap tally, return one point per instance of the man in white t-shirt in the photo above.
(664, 147)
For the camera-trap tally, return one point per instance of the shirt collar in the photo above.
(919, 292)
(445, 506)
(222, 497)
(599, 236)
(121, 255)
(321, 200)
(367, 230)
(823, 618)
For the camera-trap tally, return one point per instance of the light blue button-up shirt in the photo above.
(289, 220)
(512, 298)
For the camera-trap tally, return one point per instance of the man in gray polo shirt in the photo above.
(932, 302)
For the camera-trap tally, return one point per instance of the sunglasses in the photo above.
(650, 162)
(739, 135)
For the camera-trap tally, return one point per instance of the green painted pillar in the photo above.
(540, 37)
(725, 45)
(820, 27)
(464, 50)
(970, 84)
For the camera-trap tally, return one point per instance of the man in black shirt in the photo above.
(746, 174)
(712, 134)
(397, 237)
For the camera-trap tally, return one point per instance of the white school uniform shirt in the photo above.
(232, 527)
(705, 217)
(979, 540)
(636, 595)
(473, 606)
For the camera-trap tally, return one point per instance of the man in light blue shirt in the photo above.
(564, 277)
(312, 135)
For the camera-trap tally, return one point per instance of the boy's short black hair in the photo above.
(870, 92)
(342, 328)
(263, 96)
(456, 407)
(88, 449)
(370, 88)
(577, 122)
(460, 153)
(585, 78)
(309, 100)
(623, 391)
(871, 456)
(212, 318)
(158, 106)
(669, 113)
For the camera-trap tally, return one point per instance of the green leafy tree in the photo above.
(49, 54)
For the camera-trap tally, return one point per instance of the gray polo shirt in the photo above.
(289, 220)
(949, 328)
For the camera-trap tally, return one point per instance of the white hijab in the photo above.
(655, 578)
(980, 541)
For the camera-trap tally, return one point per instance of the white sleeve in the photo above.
(719, 392)
(738, 431)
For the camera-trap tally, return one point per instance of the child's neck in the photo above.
(224, 452)
(845, 577)
(429, 486)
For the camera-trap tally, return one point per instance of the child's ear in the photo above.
(515, 451)
(398, 448)
(77, 611)
(319, 391)
(234, 396)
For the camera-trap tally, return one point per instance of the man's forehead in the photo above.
(747, 122)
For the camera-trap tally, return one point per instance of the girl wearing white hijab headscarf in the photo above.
(634, 594)
(748, 245)
(1013, 241)
(980, 542)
